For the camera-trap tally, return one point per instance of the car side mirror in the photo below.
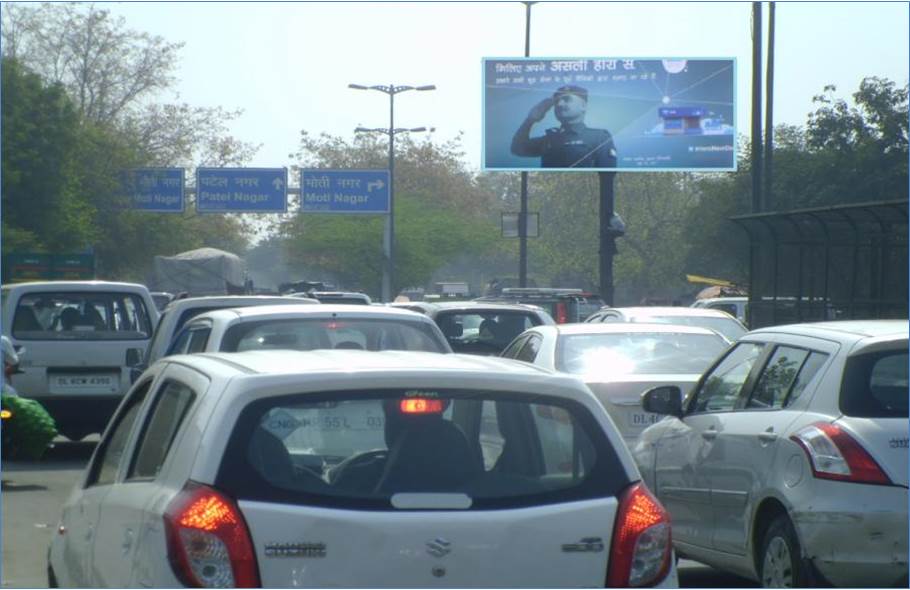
(664, 399)
(133, 356)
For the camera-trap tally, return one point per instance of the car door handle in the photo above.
(709, 434)
(767, 436)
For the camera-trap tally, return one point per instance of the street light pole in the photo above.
(388, 238)
(523, 199)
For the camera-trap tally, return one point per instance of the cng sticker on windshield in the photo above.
(282, 424)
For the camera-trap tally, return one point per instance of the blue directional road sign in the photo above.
(241, 190)
(344, 191)
(155, 189)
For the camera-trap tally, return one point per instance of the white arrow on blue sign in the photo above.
(241, 190)
(344, 191)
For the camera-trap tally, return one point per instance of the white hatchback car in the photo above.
(360, 469)
(309, 327)
(788, 462)
(619, 361)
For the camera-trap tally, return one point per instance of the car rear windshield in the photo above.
(374, 449)
(327, 332)
(729, 327)
(81, 316)
(483, 332)
(638, 353)
(875, 385)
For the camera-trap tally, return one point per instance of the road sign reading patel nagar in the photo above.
(344, 191)
(156, 189)
(242, 190)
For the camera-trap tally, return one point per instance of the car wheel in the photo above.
(781, 561)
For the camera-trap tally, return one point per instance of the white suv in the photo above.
(788, 462)
(349, 468)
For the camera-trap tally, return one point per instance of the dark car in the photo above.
(566, 306)
(477, 327)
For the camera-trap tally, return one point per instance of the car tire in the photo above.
(781, 564)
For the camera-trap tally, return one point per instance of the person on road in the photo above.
(571, 145)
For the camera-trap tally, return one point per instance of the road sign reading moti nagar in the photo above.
(344, 191)
(242, 190)
(155, 189)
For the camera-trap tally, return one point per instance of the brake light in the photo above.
(208, 542)
(641, 548)
(417, 405)
(562, 314)
(834, 454)
(5, 414)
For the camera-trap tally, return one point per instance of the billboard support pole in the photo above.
(769, 112)
(607, 238)
(523, 204)
(756, 108)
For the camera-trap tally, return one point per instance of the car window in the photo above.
(106, 462)
(529, 351)
(484, 332)
(777, 377)
(180, 343)
(809, 369)
(721, 388)
(512, 350)
(338, 332)
(81, 315)
(875, 385)
(729, 327)
(638, 353)
(361, 448)
(198, 339)
(158, 434)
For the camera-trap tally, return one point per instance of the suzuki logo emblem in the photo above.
(439, 547)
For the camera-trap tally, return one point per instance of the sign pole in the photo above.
(523, 205)
(388, 251)
(607, 238)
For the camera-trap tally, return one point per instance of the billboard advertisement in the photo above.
(617, 114)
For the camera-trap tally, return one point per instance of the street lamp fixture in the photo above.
(388, 240)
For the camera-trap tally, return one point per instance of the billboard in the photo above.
(616, 114)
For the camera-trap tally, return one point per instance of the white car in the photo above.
(180, 311)
(81, 337)
(738, 306)
(352, 469)
(619, 362)
(713, 319)
(788, 462)
(309, 327)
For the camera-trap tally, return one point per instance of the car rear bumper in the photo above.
(855, 534)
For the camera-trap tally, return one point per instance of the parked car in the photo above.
(180, 311)
(738, 307)
(564, 305)
(308, 327)
(343, 297)
(484, 328)
(788, 462)
(713, 319)
(359, 469)
(80, 337)
(620, 361)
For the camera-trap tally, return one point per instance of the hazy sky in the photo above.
(287, 65)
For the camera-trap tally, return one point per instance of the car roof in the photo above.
(669, 311)
(228, 300)
(838, 329)
(483, 305)
(628, 328)
(290, 362)
(72, 285)
(321, 310)
(732, 299)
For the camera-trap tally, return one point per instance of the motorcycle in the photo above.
(26, 429)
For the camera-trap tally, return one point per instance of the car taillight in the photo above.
(834, 454)
(209, 545)
(641, 548)
(562, 313)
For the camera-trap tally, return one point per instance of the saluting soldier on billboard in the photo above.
(571, 145)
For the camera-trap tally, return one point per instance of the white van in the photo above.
(81, 337)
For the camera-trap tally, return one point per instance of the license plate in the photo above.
(87, 383)
(642, 419)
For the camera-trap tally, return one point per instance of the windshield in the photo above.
(485, 333)
(85, 315)
(875, 385)
(729, 327)
(366, 446)
(642, 353)
(319, 333)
